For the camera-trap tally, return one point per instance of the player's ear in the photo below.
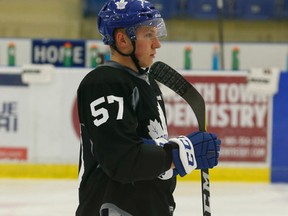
(121, 38)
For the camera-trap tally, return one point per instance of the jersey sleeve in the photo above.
(107, 111)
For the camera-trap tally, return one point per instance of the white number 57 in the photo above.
(102, 114)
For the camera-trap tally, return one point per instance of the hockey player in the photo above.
(128, 165)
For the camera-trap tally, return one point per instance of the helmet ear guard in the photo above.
(131, 32)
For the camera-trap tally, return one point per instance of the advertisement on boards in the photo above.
(240, 119)
(15, 118)
(14, 52)
(60, 53)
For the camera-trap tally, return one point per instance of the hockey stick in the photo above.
(172, 79)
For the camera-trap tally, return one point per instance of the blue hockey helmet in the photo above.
(128, 14)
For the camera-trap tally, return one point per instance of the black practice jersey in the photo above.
(118, 108)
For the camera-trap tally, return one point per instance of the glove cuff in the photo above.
(183, 157)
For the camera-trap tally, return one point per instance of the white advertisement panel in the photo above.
(36, 120)
(15, 123)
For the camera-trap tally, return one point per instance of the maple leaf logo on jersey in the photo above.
(156, 129)
(121, 5)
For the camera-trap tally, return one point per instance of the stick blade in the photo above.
(175, 81)
(169, 77)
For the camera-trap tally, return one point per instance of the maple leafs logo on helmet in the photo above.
(121, 5)
(128, 14)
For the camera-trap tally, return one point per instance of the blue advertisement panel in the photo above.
(279, 169)
(60, 53)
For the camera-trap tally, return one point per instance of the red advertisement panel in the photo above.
(239, 118)
(13, 153)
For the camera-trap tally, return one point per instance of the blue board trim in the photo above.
(279, 165)
(11, 80)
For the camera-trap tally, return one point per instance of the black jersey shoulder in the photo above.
(111, 73)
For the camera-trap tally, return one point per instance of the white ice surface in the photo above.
(25, 197)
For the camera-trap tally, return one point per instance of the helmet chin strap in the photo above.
(133, 57)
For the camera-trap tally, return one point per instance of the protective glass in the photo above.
(148, 30)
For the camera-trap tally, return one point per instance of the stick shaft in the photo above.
(197, 103)
(176, 82)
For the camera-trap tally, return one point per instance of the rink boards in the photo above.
(40, 136)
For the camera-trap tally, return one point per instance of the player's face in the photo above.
(146, 44)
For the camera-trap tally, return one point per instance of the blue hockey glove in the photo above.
(206, 147)
(183, 155)
(198, 150)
